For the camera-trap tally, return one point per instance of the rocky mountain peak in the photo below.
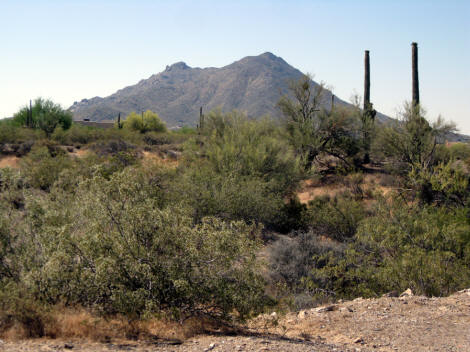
(177, 66)
(252, 85)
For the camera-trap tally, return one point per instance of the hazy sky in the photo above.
(70, 50)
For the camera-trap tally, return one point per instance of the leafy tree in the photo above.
(148, 121)
(312, 130)
(45, 114)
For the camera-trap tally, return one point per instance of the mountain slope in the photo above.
(252, 85)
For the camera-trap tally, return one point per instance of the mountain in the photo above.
(253, 85)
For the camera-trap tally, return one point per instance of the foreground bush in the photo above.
(403, 246)
(112, 247)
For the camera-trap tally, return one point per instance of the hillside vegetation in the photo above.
(144, 223)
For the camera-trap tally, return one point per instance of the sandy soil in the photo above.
(310, 189)
(9, 161)
(408, 323)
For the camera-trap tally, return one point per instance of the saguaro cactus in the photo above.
(29, 115)
(368, 114)
(366, 80)
(201, 118)
(414, 68)
(119, 121)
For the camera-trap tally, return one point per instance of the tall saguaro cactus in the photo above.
(366, 80)
(414, 68)
(119, 121)
(201, 119)
(29, 115)
(368, 114)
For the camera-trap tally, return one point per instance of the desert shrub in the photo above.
(117, 162)
(424, 248)
(148, 121)
(411, 142)
(77, 134)
(20, 313)
(10, 133)
(336, 218)
(293, 258)
(292, 216)
(113, 248)
(239, 169)
(112, 147)
(43, 165)
(82, 135)
(454, 151)
(186, 130)
(443, 184)
(159, 138)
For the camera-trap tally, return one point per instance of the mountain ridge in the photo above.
(252, 84)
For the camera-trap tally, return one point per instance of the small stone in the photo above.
(407, 293)
(302, 314)
(273, 314)
(325, 309)
(211, 347)
(359, 340)
(68, 346)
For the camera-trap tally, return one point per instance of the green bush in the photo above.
(239, 169)
(82, 135)
(336, 218)
(403, 246)
(443, 184)
(455, 151)
(411, 142)
(43, 165)
(148, 121)
(113, 248)
(13, 134)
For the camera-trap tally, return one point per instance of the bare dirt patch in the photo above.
(408, 323)
(334, 186)
(10, 161)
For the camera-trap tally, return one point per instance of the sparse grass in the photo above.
(78, 323)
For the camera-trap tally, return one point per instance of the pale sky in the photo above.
(70, 50)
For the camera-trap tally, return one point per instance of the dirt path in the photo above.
(408, 323)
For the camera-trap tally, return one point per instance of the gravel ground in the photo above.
(407, 323)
